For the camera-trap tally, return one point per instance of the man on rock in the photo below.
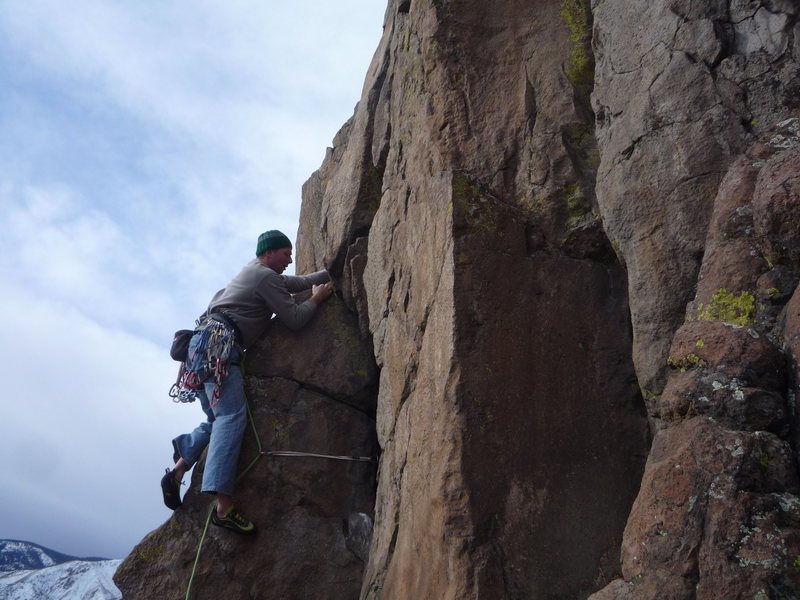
(245, 306)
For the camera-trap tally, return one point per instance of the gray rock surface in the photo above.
(680, 91)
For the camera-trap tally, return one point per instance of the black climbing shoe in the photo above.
(235, 521)
(171, 489)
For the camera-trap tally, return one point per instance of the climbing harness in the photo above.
(208, 360)
(259, 454)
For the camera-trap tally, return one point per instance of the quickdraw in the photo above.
(208, 360)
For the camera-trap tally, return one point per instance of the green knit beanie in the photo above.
(272, 240)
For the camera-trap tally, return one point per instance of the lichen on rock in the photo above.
(728, 307)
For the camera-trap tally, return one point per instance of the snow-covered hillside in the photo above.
(32, 572)
(16, 555)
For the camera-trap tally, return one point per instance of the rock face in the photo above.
(680, 90)
(718, 514)
(566, 242)
(496, 306)
(302, 505)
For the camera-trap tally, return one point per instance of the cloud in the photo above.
(64, 248)
(88, 404)
(189, 131)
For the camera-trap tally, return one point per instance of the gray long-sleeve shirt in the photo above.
(258, 292)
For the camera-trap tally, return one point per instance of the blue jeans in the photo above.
(223, 430)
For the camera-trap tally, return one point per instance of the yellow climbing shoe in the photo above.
(235, 521)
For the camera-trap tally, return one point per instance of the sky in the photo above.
(144, 146)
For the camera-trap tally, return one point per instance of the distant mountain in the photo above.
(16, 555)
(32, 572)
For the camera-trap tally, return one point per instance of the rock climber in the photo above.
(246, 306)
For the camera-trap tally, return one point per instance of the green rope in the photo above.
(258, 442)
(197, 556)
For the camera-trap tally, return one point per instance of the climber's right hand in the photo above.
(320, 293)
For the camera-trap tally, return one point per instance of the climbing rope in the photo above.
(288, 453)
(246, 470)
(199, 548)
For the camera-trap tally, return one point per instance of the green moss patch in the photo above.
(580, 65)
